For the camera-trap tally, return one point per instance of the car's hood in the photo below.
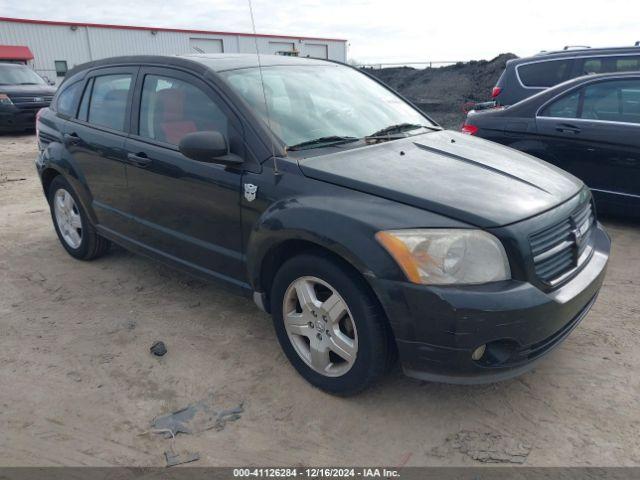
(462, 177)
(27, 90)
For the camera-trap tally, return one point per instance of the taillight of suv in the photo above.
(469, 129)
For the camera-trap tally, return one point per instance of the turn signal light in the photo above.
(495, 92)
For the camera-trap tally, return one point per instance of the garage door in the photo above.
(205, 45)
(281, 48)
(316, 50)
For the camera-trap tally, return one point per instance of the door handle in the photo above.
(138, 160)
(71, 138)
(566, 128)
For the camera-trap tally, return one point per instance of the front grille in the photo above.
(561, 249)
(31, 102)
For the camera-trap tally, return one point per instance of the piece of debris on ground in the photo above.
(158, 349)
(174, 458)
(485, 447)
(195, 418)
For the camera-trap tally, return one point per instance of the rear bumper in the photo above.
(438, 328)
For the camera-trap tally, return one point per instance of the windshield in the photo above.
(19, 75)
(315, 102)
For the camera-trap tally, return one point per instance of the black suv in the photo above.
(22, 93)
(524, 77)
(365, 229)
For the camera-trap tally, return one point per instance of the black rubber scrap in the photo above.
(158, 349)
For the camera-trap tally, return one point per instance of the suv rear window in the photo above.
(544, 74)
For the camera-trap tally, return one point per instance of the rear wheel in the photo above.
(329, 324)
(74, 230)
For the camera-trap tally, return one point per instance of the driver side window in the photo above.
(171, 108)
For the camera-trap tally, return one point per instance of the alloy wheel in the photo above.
(68, 218)
(320, 326)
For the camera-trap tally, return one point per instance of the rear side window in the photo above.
(565, 107)
(67, 100)
(627, 64)
(108, 103)
(544, 74)
(615, 101)
(610, 101)
(610, 64)
(171, 108)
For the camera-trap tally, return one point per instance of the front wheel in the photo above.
(329, 324)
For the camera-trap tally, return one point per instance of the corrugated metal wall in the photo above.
(82, 44)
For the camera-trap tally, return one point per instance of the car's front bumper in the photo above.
(14, 119)
(438, 328)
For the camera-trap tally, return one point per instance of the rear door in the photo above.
(95, 139)
(594, 133)
(182, 209)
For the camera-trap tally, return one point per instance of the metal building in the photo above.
(58, 46)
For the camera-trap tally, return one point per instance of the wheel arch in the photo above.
(279, 252)
(51, 169)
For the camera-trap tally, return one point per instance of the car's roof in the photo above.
(232, 61)
(582, 52)
(216, 62)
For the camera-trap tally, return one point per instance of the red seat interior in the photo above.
(171, 124)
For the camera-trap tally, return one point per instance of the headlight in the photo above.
(5, 100)
(447, 256)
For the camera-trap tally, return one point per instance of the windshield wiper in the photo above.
(399, 128)
(323, 141)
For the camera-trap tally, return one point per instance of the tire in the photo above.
(356, 334)
(76, 234)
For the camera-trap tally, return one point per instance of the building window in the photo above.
(61, 68)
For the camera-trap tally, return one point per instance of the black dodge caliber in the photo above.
(366, 230)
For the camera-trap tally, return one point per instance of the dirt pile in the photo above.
(442, 92)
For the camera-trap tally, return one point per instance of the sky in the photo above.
(378, 31)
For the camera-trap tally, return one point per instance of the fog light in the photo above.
(478, 353)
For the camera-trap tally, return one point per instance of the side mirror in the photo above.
(208, 147)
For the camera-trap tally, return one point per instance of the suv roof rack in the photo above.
(569, 47)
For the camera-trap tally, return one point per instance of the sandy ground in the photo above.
(78, 385)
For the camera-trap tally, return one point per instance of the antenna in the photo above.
(264, 92)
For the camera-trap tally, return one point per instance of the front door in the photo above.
(184, 210)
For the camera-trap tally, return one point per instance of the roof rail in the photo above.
(569, 47)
